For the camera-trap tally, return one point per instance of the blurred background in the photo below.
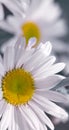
(61, 55)
(64, 4)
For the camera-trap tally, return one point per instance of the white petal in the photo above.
(53, 96)
(2, 71)
(1, 60)
(30, 6)
(31, 43)
(32, 117)
(21, 121)
(13, 123)
(15, 23)
(24, 58)
(26, 117)
(58, 67)
(9, 58)
(34, 60)
(48, 83)
(2, 107)
(0, 81)
(14, 7)
(51, 108)
(20, 46)
(42, 116)
(48, 11)
(41, 64)
(45, 128)
(42, 126)
(20, 43)
(1, 94)
(1, 12)
(52, 70)
(44, 67)
(6, 117)
(45, 48)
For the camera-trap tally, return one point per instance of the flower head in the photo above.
(27, 76)
(40, 19)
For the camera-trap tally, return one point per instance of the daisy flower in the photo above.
(40, 19)
(17, 7)
(26, 84)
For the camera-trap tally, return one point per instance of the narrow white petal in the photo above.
(1, 60)
(20, 46)
(45, 128)
(14, 124)
(1, 12)
(14, 7)
(31, 43)
(40, 53)
(24, 58)
(26, 118)
(2, 107)
(15, 24)
(32, 117)
(57, 67)
(48, 83)
(39, 65)
(1, 94)
(0, 81)
(42, 116)
(20, 43)
(9, 58)
(48, 48)
(35, 59)
(42, 126)
(53, 96)
(51, 108)
(22, 123)
(2, 71)
(34, 64)
(44, 67)
(48, 11)
(45, 48)
(52, 70)
(6, 118)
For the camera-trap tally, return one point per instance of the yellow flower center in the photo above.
(17, 86)
(29, 30)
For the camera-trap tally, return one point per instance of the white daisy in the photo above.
(26, 79)
(32, 20)
(12, 5)
(18, 7)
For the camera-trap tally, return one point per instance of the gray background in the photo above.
(64, 4)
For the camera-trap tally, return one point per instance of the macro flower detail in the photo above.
(40, 19)
(22, 86)
(30, 29)
(27, 76)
